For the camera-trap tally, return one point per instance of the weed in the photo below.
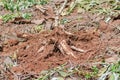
(95, 70)
(43, 2)
(106, 7)
(38, 28)
(112, 72)
(88, 76)
(8, 17)
(26, 15)
(16, 7)
(63, 21)
(62, 73)
(19, 5)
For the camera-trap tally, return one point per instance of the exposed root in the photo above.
(41, 49)
(60, 43)
(66, 49)
(78, 49)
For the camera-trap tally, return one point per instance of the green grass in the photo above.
(101, 7)
(19, 5)
(110, 72)
(16, 8)
(62, 73)
(8, 17)
(107, 72)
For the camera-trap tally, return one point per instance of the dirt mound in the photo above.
(50, 49)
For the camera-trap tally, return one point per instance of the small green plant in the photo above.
(43, 2)
(63, 21)
(26, 15)
(64, 73)
(95, 70)
(19, 5)
(39, 28)
(112, 72)
(115, 68)
(88, 76)
(104, 7)
(8, 17)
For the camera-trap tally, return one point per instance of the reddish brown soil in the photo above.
(40, 51)
(95, 42)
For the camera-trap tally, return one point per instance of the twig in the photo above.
(41, 8)
(63, 6)
(61, 49)
(59, 12)
(68, 33)
(41, 49)
(78, 49)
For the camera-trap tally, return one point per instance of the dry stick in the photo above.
(63, 6)
(41, 49)
(61, 49)
(41, 8)
(59, 12)
(68, 33)
(78, 49)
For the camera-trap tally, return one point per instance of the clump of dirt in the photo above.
(46, 50)
(49, 49)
